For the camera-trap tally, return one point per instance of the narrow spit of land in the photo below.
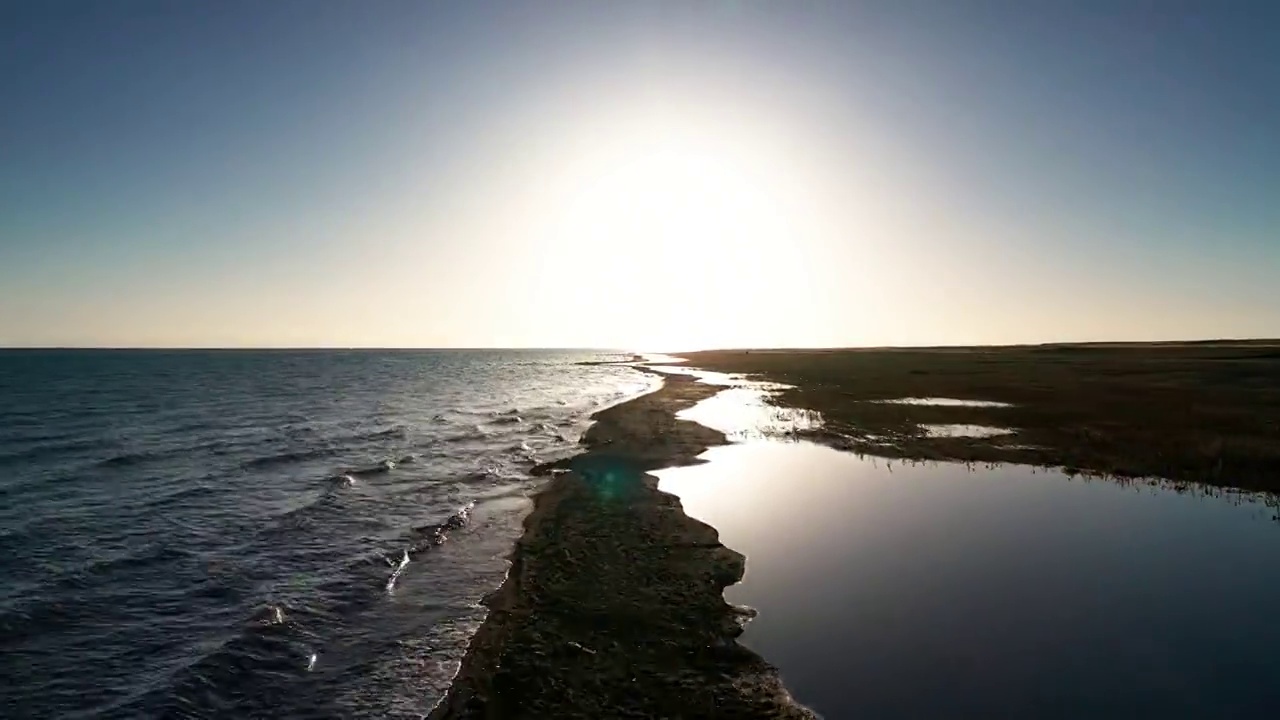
(1200, 412)
(614, 606)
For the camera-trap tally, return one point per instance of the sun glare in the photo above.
(697, 216)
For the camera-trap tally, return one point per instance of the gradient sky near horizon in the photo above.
(649, 175)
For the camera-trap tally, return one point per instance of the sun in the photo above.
(676, 228)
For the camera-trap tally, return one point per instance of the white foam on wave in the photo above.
(328, 510)
(395, 574)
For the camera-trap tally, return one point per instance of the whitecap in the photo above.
(395, 574)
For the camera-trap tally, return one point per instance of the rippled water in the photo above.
(264, 534)
(891, 590)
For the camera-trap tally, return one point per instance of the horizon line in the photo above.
(389, 348)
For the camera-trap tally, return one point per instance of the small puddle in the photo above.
(742, 410)
(744, 413)
(706, 376)
(972, 431)
(943, 402)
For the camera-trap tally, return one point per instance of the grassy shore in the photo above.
(613, 606)
(1186, 412)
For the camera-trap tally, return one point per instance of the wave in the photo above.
(287, 458)
(41, 452)
(395, 574)
(209, 589)
(480, 476)
(42, 582)
(41, 435)
(341, 482)
(183, 494)
(351, 591)
(381, 468)
(554, 431)
(139, 457)
(351, 436)
(525, 451)
(245, 676)
(269, 615)
(149, 557)
(475, 433)
(130, 459)
(429, 536)
(34, 619)
(192, 426)
(301, 517)
(399, 431)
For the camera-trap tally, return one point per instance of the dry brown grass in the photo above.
(1199, 412)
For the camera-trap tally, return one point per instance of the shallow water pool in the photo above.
(959, 430)
(906, 591)
(944, 402)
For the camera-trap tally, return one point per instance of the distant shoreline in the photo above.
(1225, 342)
(214, 349)
(1197, 412)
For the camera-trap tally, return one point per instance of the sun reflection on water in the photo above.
(743, 411)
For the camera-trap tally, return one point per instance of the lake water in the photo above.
(265, 534)
(887, 590)
(307, 534)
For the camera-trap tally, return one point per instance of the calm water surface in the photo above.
(264, 534)
(897, 591)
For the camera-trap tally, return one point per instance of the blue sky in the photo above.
(479, 174)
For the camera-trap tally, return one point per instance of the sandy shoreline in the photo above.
(613, 605)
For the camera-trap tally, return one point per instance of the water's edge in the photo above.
(288, 533)
(614, 594)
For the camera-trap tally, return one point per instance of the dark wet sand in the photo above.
(614, 606)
